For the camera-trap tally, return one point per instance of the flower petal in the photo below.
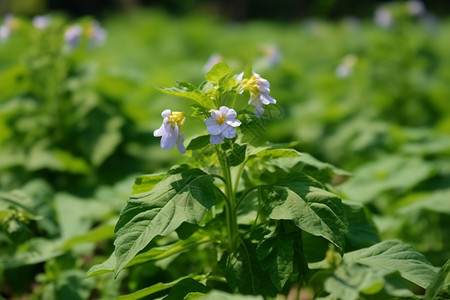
(229, 132)
(216, 139)
(213, 129)
(169, 140)
(234, 123)
(215, 114)
(180, 141)
(266, 99)
(166, 113)
(223, 110)
(210, 121)
(231, 114)
(160, 131)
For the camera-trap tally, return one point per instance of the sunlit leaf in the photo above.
(178, 198)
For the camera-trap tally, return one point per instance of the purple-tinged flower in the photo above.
(170, 132)
(346, 66)
(383, 17)
(259, 89)
(222, 124)
(73, 35)
(96, 33)
(41, 22)
(9, 24)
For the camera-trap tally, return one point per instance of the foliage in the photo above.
(244, 219)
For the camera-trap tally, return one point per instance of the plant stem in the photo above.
(232, 225)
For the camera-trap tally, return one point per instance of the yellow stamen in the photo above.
(221, 119)
(176, 117)
(250, 85)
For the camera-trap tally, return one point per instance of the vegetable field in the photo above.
(153, 156)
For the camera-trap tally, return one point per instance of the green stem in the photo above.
(231, 207)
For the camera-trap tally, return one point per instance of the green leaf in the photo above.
(244, 273)
(362, 231)
(350, 282)
(276, 254)
(108, 141)
(219, 295)
(235, 153)
(187, 90)
(153, 254)
(218, 71)
(198, 142)
(184, 287)
(395, 256)
(439, 289)
(100, 233)
(156, 288)
(146, 182)
(299, 198)
(385, 174)
(180, 197)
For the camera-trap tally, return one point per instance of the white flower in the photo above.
(41, 22)
(416, 7)
(259, 91)
(383, 17)
(4, 32)
(72, 35)
(346, 66)
(222, 124)
(170, 132)
(9, 23)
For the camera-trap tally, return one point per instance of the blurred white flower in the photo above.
(212, 61)
(8, 25)
(346, 66)
(222, 124)
(416, 7)
(272, 54)
(170, 132)
(4, 32)
(41, 22)
(259, 91)
(96, 33)
(73, 35)
(383, 17)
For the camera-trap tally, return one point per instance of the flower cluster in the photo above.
(223, 121)
(259, 92)
(94, 32)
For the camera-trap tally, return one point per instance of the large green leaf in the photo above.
(276, 255)
(362, 231)
(355, 281)
(387, 173)
(299, 198)
(396, 256)
(244, 272)
(180, 197)
(218, 71)
(439, 289)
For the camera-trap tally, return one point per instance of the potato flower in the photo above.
(222, 124)
(170, 132)
(41, 22)
(73, 35)
(96, 33)
(259, 91)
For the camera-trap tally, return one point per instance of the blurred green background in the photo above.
(362, 85)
